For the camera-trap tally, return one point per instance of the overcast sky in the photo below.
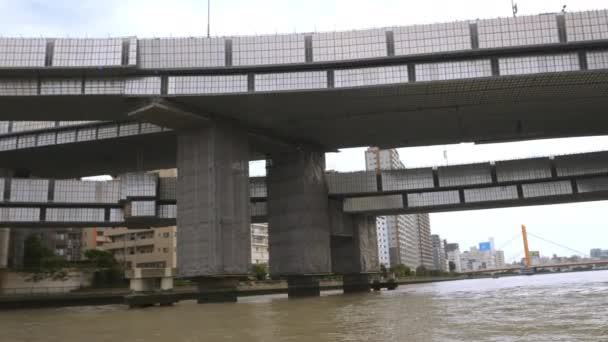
(580, 226)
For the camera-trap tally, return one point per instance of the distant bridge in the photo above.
(562, 265)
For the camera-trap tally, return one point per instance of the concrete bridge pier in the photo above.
(5, 233)
(217, 290)
(354, 248)
(150, 286)
(214, 236)
(4, 246)
(299, 229)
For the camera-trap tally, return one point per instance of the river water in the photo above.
(558, 307)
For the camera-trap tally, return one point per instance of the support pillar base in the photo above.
(217, 290)
(303, 286)
(356, 283)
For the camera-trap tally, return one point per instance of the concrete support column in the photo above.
(213, 204)
(217, 290)
(355, 250)
(4, 246)
(5, 233)
(303, 286)
(298, 217)
(356, 282)
(150, 286)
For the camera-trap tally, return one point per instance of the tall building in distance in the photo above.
(425, 243)
(259, 243)
(452, 255)
(439, 257)
(383, 241)
(500, 258)
(378, 160)
(595, 253)
(402, 239)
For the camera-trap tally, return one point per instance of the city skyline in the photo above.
(238, 17)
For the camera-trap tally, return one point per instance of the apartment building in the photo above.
(143, 248)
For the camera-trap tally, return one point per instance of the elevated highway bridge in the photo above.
(210, 105)
(484, 80)
(137, 199)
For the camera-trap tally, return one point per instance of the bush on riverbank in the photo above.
(109, 278)
(259, 271)
(41, 263)
(401, 271)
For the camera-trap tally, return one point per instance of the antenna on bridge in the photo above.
(208, 18)
(514, 8)
(564, 9)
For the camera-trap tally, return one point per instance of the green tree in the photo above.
(34, 253)
(52, 263)
(401, 271)
(421, 271)
(383, 270)
(452, 266)
(108, 272)
(260, 271)
(101, 259)
(435, 273)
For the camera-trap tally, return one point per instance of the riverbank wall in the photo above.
(84, 297)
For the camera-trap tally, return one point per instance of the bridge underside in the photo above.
(110, 157)
(113, 156)
(423, 113)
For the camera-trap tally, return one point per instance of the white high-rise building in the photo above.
(425, 244)
(402, 239)
(439, 260)
(383, 242)
(454, 257)
(452, 254)
(259, 243)
(409, 248)
(377, 159)
(500, 259)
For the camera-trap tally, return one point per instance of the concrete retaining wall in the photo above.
(18, 283)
